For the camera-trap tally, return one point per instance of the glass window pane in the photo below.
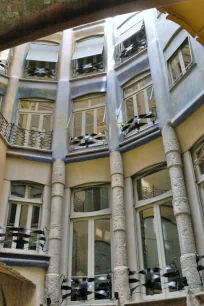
(151, 100)
(33, 106)
(46, 107)
(97, 100)
(175, 66)
(141, 109)
(145, 81)
(101, 126)
(23, 216)
(35, 216)
(77, 124)
(80, 105)
(102, 246)
(201, 165)
(153, 184)
(89, 122)
(35, 192)
(18, 190)
(22, 121)
(25, 105)
(186, 53)
(129, 109)
(46, 123)
(92, 199)
(34, 125)
(80, 249)
(11, 215)
(130, 90)
(149, 242)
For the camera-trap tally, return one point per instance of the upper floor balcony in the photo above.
(41, 61)
(130, 41)
(4, 61)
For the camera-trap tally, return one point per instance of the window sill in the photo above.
(88, 76)
(157, 300)
(4, 75)
(38, 80)
(172, 87)
(130, 59)
(163, 196)
(24, 258)
(200, 296)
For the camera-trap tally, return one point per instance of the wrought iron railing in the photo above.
(122, 54)
(25, 138)
(87, 141)
(4, 67)
(87, 68)
(40, 73)
(150, 192)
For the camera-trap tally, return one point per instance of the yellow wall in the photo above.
(3, 149)
(143, 157)
(191, 130)
(26, 170)
(90, 171)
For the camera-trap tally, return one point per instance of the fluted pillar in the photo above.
(121, 275)
(53, 275)
(181, 210)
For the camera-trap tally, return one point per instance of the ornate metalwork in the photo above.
(151, 192)
(4, 67)
(40, 73)
(200, 158)
(87, 141)
(25, 138)
(87, 68)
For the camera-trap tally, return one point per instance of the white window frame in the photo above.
(35, 112)
(155, 203)
(30, 203)
(84, 110)
(91, 217)
(144, 88)
(181, 61)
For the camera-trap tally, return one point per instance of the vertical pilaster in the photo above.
(181, 210)
(121, 272)
(53, 275)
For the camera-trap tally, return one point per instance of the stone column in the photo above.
(181, 210)
(53, 275)
(121, 275)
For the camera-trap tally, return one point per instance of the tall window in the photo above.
(156, 225)
(131, 40)
(198, 158)
(89, 115)
(24, 210)
(41, 60)
(88, 56)
(180, 62)
(139, 99)
(90, 251)
(4, 61)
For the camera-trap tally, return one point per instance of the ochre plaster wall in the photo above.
(191, 130)
(143, 157)
(3, 149)
(90, 171)
(26, 170)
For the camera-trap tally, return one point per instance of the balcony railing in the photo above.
(122, 54)
(87, 141)
(87, 68)
(25, 138)
(4, 67)
(40, 73)
(150, 192)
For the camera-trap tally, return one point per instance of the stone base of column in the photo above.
(53, 288)
(121, 279)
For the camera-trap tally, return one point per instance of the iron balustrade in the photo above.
(4, 67)
(25, 138)
(151, 192)
(87, 141)
(40, 73)
(87, 68)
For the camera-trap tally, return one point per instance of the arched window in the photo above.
(41, 60)
(88, 56)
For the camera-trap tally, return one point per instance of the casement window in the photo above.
(180, 62)
(89, 115)
(88, 56)
(138, 99)
(41, 60)
(4, 60)
(35, 115)
(131, 40)
(24, 211)
(198, 158)
(90, 243)
(158, 241)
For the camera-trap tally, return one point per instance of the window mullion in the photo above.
(28, 223)
(16, 224)
(29, 121)
(91, 258)
(135, 105)
(183, 68)
(95, 120)
(83, 125)
(40, 126)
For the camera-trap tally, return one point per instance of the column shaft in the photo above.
(121, 271)
(181, 208)
(53, 275)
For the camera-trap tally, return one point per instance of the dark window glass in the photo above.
(18, 190)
